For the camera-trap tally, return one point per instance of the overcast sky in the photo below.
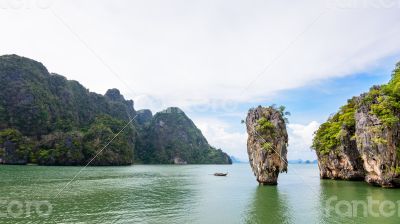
(214, 59)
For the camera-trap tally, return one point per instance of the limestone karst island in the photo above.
(362, 141)
(199, 112)
(267, 143)
(49, 120)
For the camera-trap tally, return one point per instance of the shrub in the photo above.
(14, 147)
(267, 146)
(264, 126)
(328, 136)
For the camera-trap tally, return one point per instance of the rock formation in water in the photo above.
(379, 145)
(338, 157)
(49, 120)
(362, 140)
(267, 143)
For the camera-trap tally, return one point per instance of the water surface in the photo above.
(182, 194)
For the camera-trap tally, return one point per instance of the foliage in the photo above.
(38, 103)
(395, 170)
(171, 134)
(328, 136)
(14, 147)
(79, 147)
(267, 146)
(382, 101)
(60, 148)
(398, 153)
(386, 103)
(56, 113)
(67, 125)
(105, 131)
(282, 111)
(378, 141)
(265, 127)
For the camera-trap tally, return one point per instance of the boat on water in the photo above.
(220, 174)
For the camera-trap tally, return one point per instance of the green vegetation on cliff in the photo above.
(361, 141)
(266, 129)
(264, 126)
(49, 120)
(383, 101)
(171, 137)
(36, 102)
(267, 143)
(327, 137)
(74, 148)
(14, 147)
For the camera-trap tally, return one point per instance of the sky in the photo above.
(215, 59)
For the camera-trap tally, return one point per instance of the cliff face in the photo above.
(144, 117)
(171, 137)
(49, 120)
(59, 117)
(14, 147)
(343, 162)
(378, 146)
(362, 140)
(338, 157)
(267, 143)
(37, 103)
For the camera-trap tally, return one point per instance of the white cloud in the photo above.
(300, 140)
(220, 135)
(187, 52)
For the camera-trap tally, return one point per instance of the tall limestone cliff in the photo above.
(143, 117)
(171, 137)
(267, 143)
(338, 157)
(64, 123)
(362, 140)
(378, 141)
(49, 120)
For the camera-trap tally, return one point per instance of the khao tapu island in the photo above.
(199, 112)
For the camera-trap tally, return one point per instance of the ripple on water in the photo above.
(180, 194)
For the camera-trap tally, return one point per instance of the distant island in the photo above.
(300, 161)
(46, 119)
(237, 160)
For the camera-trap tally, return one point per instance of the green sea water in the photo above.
(186, 194)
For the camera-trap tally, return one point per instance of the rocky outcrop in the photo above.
(49, 120)
(361, 147)
(378, 146)
(362, 140)
(143, 117)
(114, 95)
(172, 138)
(344, 162)
(267, 143)
(61, 148)
(36, 102)
(14, 147)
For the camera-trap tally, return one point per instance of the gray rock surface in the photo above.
(377, 146)
(267, 164)
(144, 116)
(368, 150)
(344, 162)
